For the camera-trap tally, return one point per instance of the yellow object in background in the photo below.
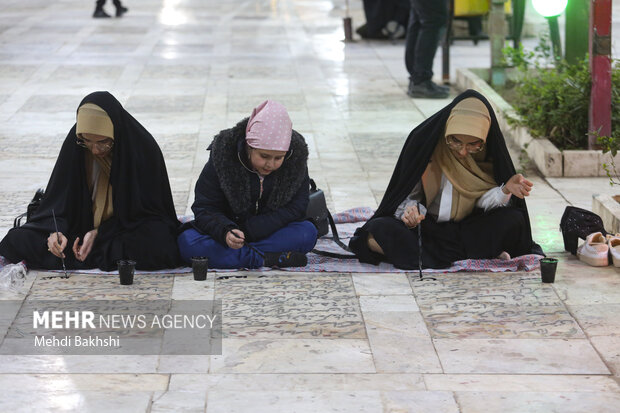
(464, 8)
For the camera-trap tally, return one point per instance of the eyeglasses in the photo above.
(104, 145)
(457, 145)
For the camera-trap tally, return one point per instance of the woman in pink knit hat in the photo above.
(251, 197)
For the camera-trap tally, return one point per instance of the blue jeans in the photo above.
(296, 236)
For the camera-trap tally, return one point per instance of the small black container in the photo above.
(548, 267)
(200, 266)
(126, 270)
(348, 29)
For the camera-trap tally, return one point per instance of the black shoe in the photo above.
(427, 90)
(100, 13)
(285, 259)
(121, 10)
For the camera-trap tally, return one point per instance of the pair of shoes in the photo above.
(285, 259)
(595, 251)
(121, 10)
(100, 13)
(427, 90)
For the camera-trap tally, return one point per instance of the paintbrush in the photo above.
(58, 240)
(421, 211)
(248, 245)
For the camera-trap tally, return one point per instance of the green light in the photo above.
(549, 8)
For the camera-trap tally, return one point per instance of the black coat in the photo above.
(414, 159)
(227, 191)
(144, 223)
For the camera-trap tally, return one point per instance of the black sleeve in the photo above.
(209, 206)
(263, 225)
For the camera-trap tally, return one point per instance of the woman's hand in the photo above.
(56, 244)
(412, 217)
(235, 242)
(518, 186)
(81, 251)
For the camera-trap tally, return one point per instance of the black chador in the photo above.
(136, 219)
(470, 231)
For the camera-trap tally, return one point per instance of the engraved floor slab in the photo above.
(277, 305)
(494, 305)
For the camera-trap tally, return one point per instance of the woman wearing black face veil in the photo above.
(110, 193)
(455, 178)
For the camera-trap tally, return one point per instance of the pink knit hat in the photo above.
(269, 127)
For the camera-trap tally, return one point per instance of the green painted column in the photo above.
(576, 31)
(497, 36)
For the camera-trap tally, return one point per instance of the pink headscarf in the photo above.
(269, 127)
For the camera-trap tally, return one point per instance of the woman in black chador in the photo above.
(455, 178)
(110, 193)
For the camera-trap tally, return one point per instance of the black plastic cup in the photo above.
(547, 269)
(200, 265)
(126, 270)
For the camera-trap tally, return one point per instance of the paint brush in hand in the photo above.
(248, 245)
(58, 240)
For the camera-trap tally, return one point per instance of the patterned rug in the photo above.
(346, 223)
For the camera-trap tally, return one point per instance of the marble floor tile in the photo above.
(316, 382)
(519, 356)
(519, 383)
(165, 104)
(388, 303)
(537, 402)
(487, 305)
(294, 356)
(609, 349)
(598, 319)
(100, 287)
(381, 284)
(286, 306)
(84, 382)
(172, 363)
(583, 285)
(83, 401)
(179, 401)
(419, 401)
(406, 323)
(394, 352)
(78, 364)
(302, 401)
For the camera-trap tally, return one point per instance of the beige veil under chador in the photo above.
(93, 119)
(470, 177)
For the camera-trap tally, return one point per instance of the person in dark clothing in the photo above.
(110, 194)
(455, 178)
(252, 195)
(385, 19)
(100, 13)
(427, 20)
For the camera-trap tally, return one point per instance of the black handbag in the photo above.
(30, 209)
(318, 213)
(578, 223)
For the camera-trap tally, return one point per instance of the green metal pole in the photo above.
(497, 35)
(518, 14)
(576, 30)
(554, 31)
